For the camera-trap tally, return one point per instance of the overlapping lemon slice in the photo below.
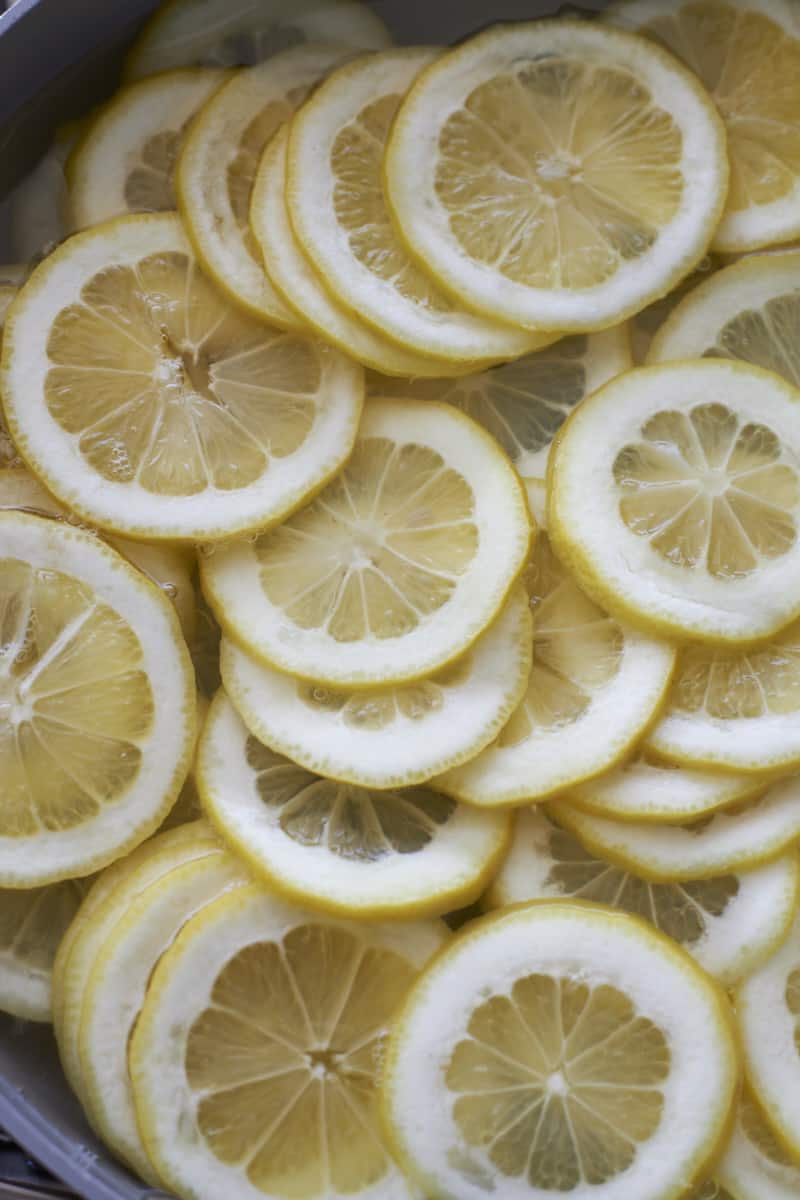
(364, 852)
(335, 196)
(125, 160)
(10, 280)
(747, 54)
(256, 1059)
(149, 406)
(560, 1048)
(693, 469)
(231, 33)
(730, 923)
(646, 324)
(32, 924)
(755, 1165)
(557, 174)
(397, 566)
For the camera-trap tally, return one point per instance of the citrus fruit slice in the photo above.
(232, 33)
(125, 161)
(255, 1061)
(395, 736)
(39, 214)
(397, 566)
(645, 325)
(149, 406)
(116, 986)
(755, 1166)
(345, 849)
(560, 1047)
(730, 923)
(557, 174)
(675, 498)
(747, 53)
(218, 165)
(594, 687)
(97, 703)
(302, 289)
(740, 837)
(334, 192)
(734, 709)
(9, 286)
(524, 403)
(32, 923)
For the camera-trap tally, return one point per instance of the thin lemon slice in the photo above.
(560, 1048)
(524, 403)
(755, 1166)
(32, 923)
(396, 736)
(730, 923)
(125, 161)
(232, 33)
(303, 290)
(645, 325)
(595, 686)
(149, 406)
(335, 196)
(255, 1061)
(740, 837)
(218, 167)
(675, 499)
(747, 53)
(557, 174)
(97, 703)
(648, 790)
(341, 848)
(116, 986)
(395, 569)
(9, 286)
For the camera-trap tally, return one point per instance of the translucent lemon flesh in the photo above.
(729, 686)
(768, 337)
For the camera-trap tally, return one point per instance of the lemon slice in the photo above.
(9, 286)
(560, 1047)
(218, 165)
(648, 790)
(302, 289)
(755, 1166)
(39, 213)
(730, 923)
(149, 406)
(747, 53)
(675, 496)
(341, 848)
(645, 325)
(116, 987)
(125, 161)
(594, 687)
(557, 174)
(255, 1061)
(231, 33)
(389, 737)
(740, 837)
(334, 192)
(395, 569)
(32, 923)
(97, 703)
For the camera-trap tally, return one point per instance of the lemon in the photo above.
(560, 1047)
(218, 165)
(151, 407)
(397, 566)
(747, 53)
(335, 197)
(10, 279)
(230, 33)
(646, 324)
(125, 161)
(97, 700)
(255, 1060)
(557, 174)
(39, 211)
(345, 849)
(675, 498)
(740, 837)
(730, 923)
(755, 1166)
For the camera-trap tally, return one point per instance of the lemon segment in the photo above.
(557, 174)
(356, 851)
(560, 1047)
(336, 203)
(255, 1061)
(149, 406)
(730, 923)
(32, 923)
(755, 1165)
(397, 566)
